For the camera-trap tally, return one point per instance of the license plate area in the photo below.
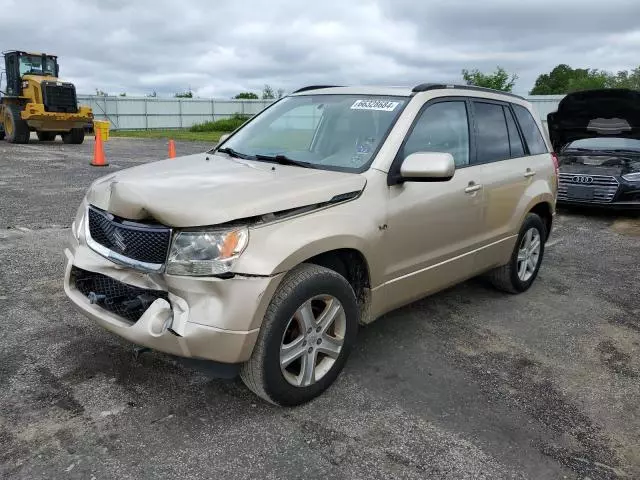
(578, 192)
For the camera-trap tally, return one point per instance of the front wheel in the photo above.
(518, 275)
(306, 337)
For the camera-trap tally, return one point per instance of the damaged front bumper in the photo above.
(197, 317)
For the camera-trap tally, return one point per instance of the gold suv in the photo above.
(331, 207)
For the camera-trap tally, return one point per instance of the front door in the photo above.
(433, 228)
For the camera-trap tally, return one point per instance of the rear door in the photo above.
(505, 172)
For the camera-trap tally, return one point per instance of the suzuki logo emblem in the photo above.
(581, 179)
(118, 239)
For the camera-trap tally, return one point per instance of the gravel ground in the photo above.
(469, 383)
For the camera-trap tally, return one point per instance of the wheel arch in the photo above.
(544, 210)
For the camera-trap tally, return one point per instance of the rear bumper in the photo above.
(206, 318)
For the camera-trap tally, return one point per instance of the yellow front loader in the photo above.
(35, 100)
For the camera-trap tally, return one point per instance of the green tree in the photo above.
(186, 94)
(123, 94)
(555, 82)
(498, 80)
(628, 79)
(564, 79)
(153, 94)
(246, 96)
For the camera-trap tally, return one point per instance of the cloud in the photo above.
(224, 47)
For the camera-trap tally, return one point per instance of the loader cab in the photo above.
(19, 63)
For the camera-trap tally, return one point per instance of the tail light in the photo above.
(556, 164)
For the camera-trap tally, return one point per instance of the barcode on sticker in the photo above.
(381, 105)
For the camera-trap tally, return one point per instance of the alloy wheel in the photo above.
(313, 340)
(529, 254)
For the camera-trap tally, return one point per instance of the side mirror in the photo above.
(427, 166)
(223, 138)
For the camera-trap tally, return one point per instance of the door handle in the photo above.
(529, 173)
(473, 187)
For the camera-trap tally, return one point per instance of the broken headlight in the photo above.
(206, 253)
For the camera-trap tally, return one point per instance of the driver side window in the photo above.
(442, 127)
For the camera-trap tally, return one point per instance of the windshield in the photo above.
(32, 65)
(333, 132)
(604, 143)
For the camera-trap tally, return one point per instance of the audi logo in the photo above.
(581, 179)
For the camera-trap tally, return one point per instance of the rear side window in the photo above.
(530, 130)
(492, 139)
(515, 142)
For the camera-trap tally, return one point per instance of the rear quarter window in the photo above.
(530, 130)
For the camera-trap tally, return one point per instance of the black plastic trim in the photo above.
(315, 87)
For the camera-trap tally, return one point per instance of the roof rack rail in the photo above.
(314, 87)
(423, 87)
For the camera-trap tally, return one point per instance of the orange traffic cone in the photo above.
(172, 149)
(99, 159)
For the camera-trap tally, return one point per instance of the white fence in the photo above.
(133, 113)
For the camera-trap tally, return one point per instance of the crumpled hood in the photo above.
(193, 191)
(595, 113)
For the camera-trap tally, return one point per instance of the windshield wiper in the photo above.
(578, 149)
(284, 160)
(622, 150)
(232, 153)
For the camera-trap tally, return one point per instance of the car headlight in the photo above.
(207, 252)
(632, 177)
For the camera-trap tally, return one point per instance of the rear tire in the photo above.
(74, 137)
(46, 136)
(15, 128)
(517, 276)
(295, 340)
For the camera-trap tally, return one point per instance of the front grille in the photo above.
(124, 300)
(59, 97)
(602, 188)
(138, 241)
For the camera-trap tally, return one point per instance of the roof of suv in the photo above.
(396, 91)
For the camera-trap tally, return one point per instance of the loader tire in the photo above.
(15, 128)
(75, 136)
(46, 136)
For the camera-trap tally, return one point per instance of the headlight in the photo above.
(632, 177)
(206, 253)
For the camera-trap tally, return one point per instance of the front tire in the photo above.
(523, 267)
(15, 128)
(75, 136)
(306, 336)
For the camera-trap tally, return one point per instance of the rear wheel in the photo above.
(518, 275)
(306, 336)
(46, 136)
(75, 136)
(15, 128)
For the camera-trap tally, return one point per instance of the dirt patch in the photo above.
(627, 226)
(615, 360)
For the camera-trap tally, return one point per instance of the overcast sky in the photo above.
(219, 48)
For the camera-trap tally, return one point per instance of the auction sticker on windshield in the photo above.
(381, 105)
